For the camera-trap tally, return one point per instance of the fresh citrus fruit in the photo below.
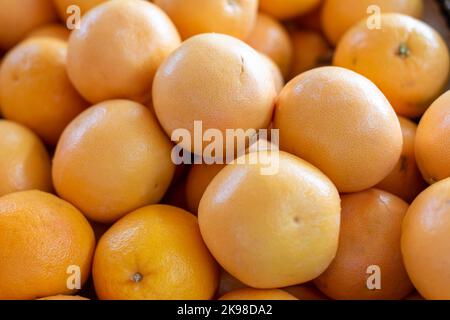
(433, 141)
(64, 297)
(154, 253)
(406, 59)
(305, 292)
(113, 159)
(370, 236)
(426, 241)
(233, 17)
(17, 18)
(276, 73)
(271, 38)
(105, 62)
(283, 9)
(24, 161)
(405, 180)
(338, 16)
(311, 50)
(340, 122)
(35, 90)
(218, 80)
(255, 294)
(53, 30)
(271, 229)
(42, 237)
(84, 5)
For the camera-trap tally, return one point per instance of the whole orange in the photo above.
(340, 122)
(24, 161)
(255, 294)
(84, 5)
(405, 180)
(105, 62)
(42, 238)
(154, 253)
(113, 159)
(433, 141)
(35, 89)
(370, 237)
(426, 241)
(284, 9)
(406, 59)
(53, 30)
(271, 229)
(233, 17)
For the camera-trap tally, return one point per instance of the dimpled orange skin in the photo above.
(53, 30)
(416, 54)
(405, 180)
(104, 62)
(233, 17)
(155, 253)
(433, 141)
(338, 16)
(426, 242)
(17, 18)
(35, 89)
(271, 230)
(24, 161)
(41, 236)
(255, 294)
(216, 79)
(284, 9)
(84, 5)
(113, 159)
(370, 236)
(271, 38)
(340, 122)
(64, 297)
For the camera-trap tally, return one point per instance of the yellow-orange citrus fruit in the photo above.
(338, 16)
(340, 122)
(233, 17)
(24, 161)
(154, 253)
(216, 79)
(305, 292)
(433, 141)
(406, 59)
(405, 180)
(113, 159)
(105, 62)
(62, 6)
(274, 228)
(426, 241)
(44, 241)
(18, 18)
(258, 294)
(370, 237)
(271, 38)
(64, 297)
(53, 30)
(283, 9)
(276, 73)
(35, 89)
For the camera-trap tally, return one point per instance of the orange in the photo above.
(271, 229)
(311, 50)
(154, 253)
(216, 79)
(370, 236)
(338, 16)
(405, 180)
(283, 9)
(271, 38)
(426, 242)
(198, 180)
(105, 62)
(84, 5)
(305, 292)
(233, 17)
(255, 294)
(53, 30)
(35, 89)
(17, 18)
(41, 236)
(340, 122)
(113, 159)
(63, 297)
(406, 59)
(433, 141)
(24, 162)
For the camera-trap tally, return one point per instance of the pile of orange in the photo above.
(99, 99)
